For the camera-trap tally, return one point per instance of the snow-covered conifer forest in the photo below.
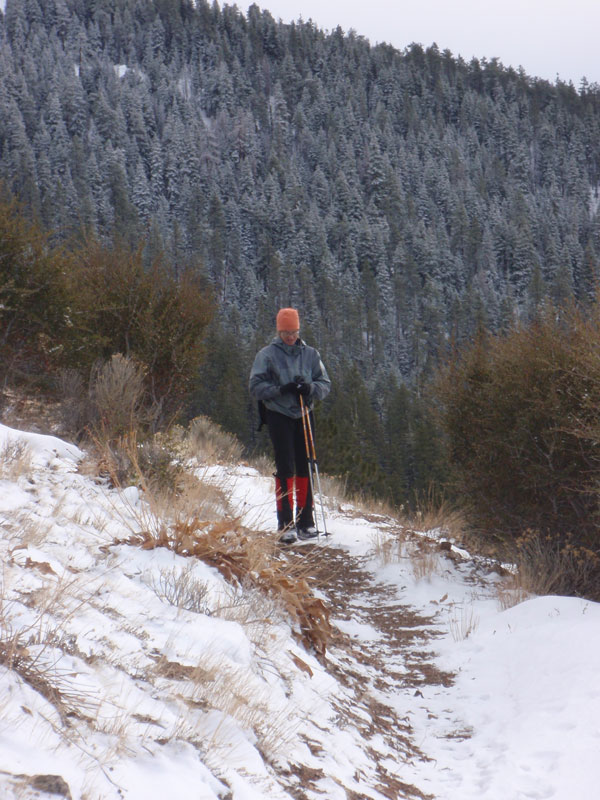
(400, 200)
(397, 198)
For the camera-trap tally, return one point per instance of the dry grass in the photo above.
(115, 724)
(511, 593)
(256, 610)
(216, 685)
(463, 624)
(417, 536)
(445, 519)
(15, 460)
(194, 499)
(334, 489)
(33, 651)
(398, 544)
(389, 546)
(194, 522)
(424, 560)
(24, 528)
(364, 504)
(430, 513)
(263, 464)
(401, 544)
(245, 558)
(547, 564)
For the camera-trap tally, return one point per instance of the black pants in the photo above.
(289, 447)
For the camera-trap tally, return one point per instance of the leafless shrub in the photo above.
(161, 470)
(116, 394)
(211, 444)
(180, 588)
(113, 459)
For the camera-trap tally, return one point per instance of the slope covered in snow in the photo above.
(128, 671)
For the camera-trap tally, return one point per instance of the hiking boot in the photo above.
(288, 536)
(309, 532)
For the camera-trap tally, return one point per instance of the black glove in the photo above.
(289, 388)
(304, 389)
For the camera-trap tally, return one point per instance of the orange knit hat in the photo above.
(288, 320)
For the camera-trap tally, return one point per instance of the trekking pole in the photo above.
(313, 459)
(308, 457)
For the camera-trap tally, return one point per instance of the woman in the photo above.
(283, 372)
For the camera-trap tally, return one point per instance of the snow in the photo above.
(122, 70)
(164, 700)
(44, 449)
(529, 679)
(594, 200)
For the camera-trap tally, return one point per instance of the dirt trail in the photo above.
(392, 658)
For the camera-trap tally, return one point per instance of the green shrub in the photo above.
(64, 309)
(34, 302)
(146, 313)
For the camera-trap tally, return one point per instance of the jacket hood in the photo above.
(289, 348)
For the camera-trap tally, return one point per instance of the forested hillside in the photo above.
(398, 199)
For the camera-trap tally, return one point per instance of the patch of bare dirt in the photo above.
(395, 658)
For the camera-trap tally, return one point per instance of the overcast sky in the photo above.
(546, 37)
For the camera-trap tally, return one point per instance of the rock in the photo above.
(51, 784)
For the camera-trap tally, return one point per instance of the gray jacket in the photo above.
(278, 364)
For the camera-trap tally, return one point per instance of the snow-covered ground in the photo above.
(137, 673)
